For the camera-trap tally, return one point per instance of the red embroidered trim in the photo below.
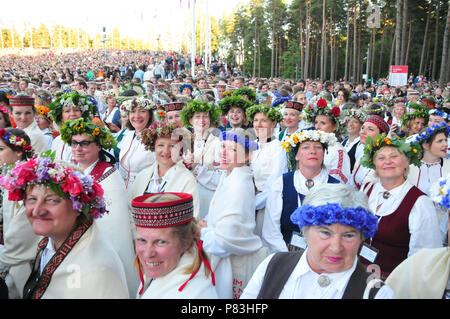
(338, 170)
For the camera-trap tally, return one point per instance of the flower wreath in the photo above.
(107, 94)
(272, 113)
(426, 136)
(420, 112)
(137, 87)
(332, 213)
(4, 109)
(42, 110)
(71, 98)
(196, 106)
(186, 85)
(16, 141)
(156, 130)
(437, 112)
(249, 92)
(359, 114)
(440, 192)
(99, 134)
(320, 106)
(291, 141)
(84, 192)
(139, 101)
(403, 145)
(235, 100)
(228, 93)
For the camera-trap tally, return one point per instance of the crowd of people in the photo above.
(124, 176)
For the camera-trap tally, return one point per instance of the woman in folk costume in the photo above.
(288, 191)
(373, 126)
(112, 112)
(263, 161)
(426, 274)
(414, 121)
(334, 221)
(171, 260)
(434, 164)
(16, 236)
(329, 119)
(354, 121)
(74, 259)
(168, 173)
(408, 220)
(134, 157)
(234, 107)
(90, 145)
(203, 118)
(43, 99)
(228, 233)
(23, 113)
(69, 106)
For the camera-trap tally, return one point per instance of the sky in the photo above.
(133, 17)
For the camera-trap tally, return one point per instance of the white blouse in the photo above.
(422, 223)
(133, 157)
(303, 283)
(271, 231)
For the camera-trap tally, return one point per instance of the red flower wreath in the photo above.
(321, 103)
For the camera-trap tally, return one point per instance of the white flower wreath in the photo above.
(139, 101)
(327, 139)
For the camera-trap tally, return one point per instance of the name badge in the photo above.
(297, 240)
(368, 252)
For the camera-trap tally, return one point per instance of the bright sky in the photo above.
(133, 17)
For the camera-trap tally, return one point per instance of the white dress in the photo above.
(115, 224)
(263, 163)
(230, 237)
(337, 162)
(166, 287)
(39, 141)
(63, 151)
(133, 157)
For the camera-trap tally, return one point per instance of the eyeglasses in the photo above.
(83, 144)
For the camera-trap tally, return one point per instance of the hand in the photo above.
(202, 223)
(113, 127)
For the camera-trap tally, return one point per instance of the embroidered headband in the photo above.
(244, 141)
(379, 122)
(84, 192)
(162, 214)
(331, 213)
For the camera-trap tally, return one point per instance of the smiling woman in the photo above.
(170, 257)
(334, 220)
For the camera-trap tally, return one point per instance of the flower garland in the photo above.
(243, 141)
(331, 213)
(85, 193)
(440, 192)
(42, 110)
(425, 137)
(107, 94)
(420, 112)
(156, 130)
(358, 114)
(437, 112)
(16, 141)
(139, 101)
(319, 106)
(235, 100)
(249, 92)
(186, 85)
(290, 142)
(72, 98)
(196, 106)
(272, 113)
(403, 145)
(98, 133)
